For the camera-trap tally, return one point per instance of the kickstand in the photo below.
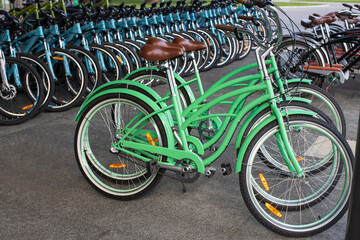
(184, 187)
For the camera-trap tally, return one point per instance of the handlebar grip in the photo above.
(225, 27)
(347, 5)
(242, 1)
(260, 3)
(247, 3)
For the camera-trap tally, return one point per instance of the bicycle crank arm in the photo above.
(168, 152)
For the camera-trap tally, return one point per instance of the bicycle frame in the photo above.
(198, 111)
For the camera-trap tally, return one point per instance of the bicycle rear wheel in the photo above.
(285, 203)
(293, 56)
(22, 98)
(116, 173)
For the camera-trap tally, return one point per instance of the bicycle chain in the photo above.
(158, 172)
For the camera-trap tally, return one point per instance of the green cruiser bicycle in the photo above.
(295, 170)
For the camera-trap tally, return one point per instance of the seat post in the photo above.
(175, 97)
(191, 56)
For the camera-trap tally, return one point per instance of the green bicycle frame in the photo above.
(197, 111)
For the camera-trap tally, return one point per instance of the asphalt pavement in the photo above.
(44, 196)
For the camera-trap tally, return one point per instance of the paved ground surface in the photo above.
(44, 196)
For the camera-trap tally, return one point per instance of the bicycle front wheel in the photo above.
(70, 79)
(290, 205)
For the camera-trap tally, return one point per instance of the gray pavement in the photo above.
(44, 196)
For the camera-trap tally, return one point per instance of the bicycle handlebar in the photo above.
(251, 3)
(238, 30)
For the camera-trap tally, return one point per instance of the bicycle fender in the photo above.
(297, 80)
(247, 122)
(253, 132)
(177, 77)
(140, 70)
(113, 84)
(164, 116)
(253, 114)
(164, 119)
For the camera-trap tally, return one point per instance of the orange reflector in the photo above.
(264, 182)
(121, 61)
(117, 165)
(273, 210)
(151, 140)
(28, 107)
(58, 58)
(299, 159)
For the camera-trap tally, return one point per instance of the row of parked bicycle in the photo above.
(53, 56)
(329, 53)
(294, 164)
(295, 169)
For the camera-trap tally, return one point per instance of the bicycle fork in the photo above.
(5, 82)
(285, 148)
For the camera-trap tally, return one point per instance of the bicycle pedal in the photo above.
(213, 148)
(226, 169)
(210, 172)
(152, 166)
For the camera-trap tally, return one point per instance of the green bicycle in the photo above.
(295, 170)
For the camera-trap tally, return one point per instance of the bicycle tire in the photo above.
(322, 100)
(122, 57)
(92, 66)
(291, 54)
(318, 213)
(158, 82)
(134, 56)
(131, 179)
(45, 73)
(112, 69)
(69, 89)
(23, 99)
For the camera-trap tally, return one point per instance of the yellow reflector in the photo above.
(264, 182)
(299, 159)
(117, 165)
(273, 210)
(121, 61)
(28, 107)
(58, 58)
(151, 140)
